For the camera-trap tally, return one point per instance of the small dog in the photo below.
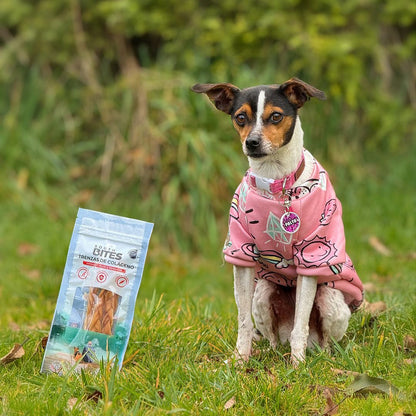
(286, 237)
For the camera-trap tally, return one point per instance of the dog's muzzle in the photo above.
(253, 145)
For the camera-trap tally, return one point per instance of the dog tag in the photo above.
(290, 222)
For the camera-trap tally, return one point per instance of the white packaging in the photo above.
(96, 301)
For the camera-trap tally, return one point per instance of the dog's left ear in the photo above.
(298, 92)
(222, 95)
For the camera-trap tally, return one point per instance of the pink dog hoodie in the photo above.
(257, 239)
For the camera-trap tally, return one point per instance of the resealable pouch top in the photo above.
(101, 279)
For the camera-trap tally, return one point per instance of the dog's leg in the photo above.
(335, 313)
(243, 292)
(273, 311)
(305, 297)
(263, 313)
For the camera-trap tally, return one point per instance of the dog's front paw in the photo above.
(241, 357)
(297, 348)
(257, 335)
(297, 357)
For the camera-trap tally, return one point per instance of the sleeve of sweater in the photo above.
(239, 248)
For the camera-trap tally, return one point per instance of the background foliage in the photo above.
(96, 107)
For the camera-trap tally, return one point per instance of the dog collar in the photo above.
(276, 186)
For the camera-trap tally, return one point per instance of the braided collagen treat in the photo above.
(90, 309)
(101, 308)
(108, 312)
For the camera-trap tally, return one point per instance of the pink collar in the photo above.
(275, 186)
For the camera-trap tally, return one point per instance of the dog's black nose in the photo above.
(252, 143)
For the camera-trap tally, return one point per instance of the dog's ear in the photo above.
(298, 92)
(222, 95)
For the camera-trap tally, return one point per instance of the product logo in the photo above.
(133, 253)
(107, 253)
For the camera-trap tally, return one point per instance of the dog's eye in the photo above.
(276, 117)
(241, 119)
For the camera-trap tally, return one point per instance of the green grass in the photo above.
(179, 359)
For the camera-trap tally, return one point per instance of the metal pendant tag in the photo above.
(290, 222)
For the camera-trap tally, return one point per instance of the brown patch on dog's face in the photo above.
(276, 125)
(243, 121)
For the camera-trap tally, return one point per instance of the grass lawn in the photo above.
(179, 355)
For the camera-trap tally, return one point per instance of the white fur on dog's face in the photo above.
(260, 111)
(266, 146)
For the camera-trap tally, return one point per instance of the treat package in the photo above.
(96, 301)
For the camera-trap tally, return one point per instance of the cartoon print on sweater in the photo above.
(338, 268)
(234, 207)
(265, 256)
(243, 196)
(275, 231)
(315, 253)
(329, 210)
(275, 277)
(306, 188)
(348, 263)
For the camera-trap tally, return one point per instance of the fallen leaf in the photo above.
(364, 384)
(409, 342)
(339, 372)
(331, 408)
(369, 287)
(14, 326)
(230, 403)
(82, 197)
(25, 249)
(270, 374)
(70, 404)
(77, 172)
(33, 274)
(15, 353)
(42, 343)
(379, 246)
(43, 324)
(95, 396)
(374, 308)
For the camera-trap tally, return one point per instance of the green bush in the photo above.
(96, 101)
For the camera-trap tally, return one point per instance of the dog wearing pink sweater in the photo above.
(286, 238)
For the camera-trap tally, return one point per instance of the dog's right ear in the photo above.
(222, 95)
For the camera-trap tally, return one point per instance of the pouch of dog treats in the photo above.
(96, 301)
